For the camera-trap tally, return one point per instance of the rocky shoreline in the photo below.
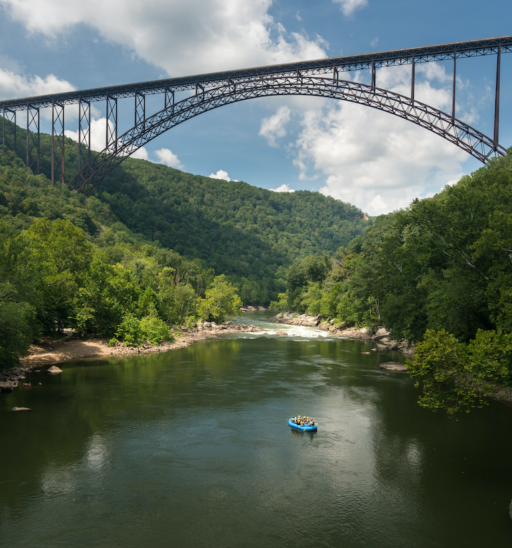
(72, 348)
(379, 336)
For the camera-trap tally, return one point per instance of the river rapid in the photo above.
(191, 448)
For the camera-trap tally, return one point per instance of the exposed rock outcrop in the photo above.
(54, 370)
(21, 409)
(380, 336)
(393, 366)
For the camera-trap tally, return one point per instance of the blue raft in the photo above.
(302, 428)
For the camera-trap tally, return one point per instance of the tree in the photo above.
(456, 376)
(221, 301)
(15, 326)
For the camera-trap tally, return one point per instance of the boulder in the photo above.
(282, 333)
(54, 369)
(393, 366)
(21, 409)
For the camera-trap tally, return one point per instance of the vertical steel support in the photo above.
(140, 109)
(10, 116)
(111, 117)
(58, 142)
(199, 86)
(497, 101)
(84, 139)
(335, 75)
(413, 78)
(33, 137)
(374, 76)
(454, 83)
(169, 98)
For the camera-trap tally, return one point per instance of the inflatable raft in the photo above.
(302, 428)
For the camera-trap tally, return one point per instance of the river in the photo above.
(191, 448)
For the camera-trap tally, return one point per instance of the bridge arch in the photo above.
(442, 124)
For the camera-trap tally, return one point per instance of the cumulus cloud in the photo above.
(14, 85)
(348, 7)
(203, 35)
(372, 159)
(99, 137)
(221, 174)
(167, 157)
(273, 127)
(282, 188)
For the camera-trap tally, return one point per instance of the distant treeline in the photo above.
(438, 273)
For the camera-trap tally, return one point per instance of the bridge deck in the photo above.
(441, 52)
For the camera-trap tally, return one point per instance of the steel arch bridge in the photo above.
(319, 78)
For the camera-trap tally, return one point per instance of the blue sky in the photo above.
(369, 158)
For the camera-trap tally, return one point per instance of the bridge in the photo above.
(206, 92)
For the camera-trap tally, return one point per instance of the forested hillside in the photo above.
(438, 273)
(250, 234)
(150, 248)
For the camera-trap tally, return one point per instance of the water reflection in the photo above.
(194, 446)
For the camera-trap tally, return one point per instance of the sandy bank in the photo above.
(52, 352)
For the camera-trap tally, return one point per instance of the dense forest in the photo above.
(247, 233)
(151, 248)
(66, 261)
(438, 274)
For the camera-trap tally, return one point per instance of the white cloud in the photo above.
(167, 157)
(372, 159)
(221, 174)
(202, 35)
(282, 188)
(13, 85)
(348, 7)
(140, 154)
(374, 42)
(99, 137)
(273, 127)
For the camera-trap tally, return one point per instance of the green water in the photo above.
(191, 448)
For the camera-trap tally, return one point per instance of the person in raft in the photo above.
(303, 421)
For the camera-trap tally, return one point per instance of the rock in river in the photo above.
(54, 369)
(21, 409)
(393, 366)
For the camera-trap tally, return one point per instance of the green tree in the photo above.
(221, 301)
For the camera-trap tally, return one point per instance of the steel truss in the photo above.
(58, 164)
(318, 67)
(10, 116)
(33, 138)
(111, 110)
(84, 138)
(445, 125)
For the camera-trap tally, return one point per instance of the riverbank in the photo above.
(50, 351)
(379, 336)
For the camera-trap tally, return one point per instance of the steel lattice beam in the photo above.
(58, 164)
(445, 125)
(33, 138)
(84, 139)
(319, 67)
(9, 116)
(111, 109)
